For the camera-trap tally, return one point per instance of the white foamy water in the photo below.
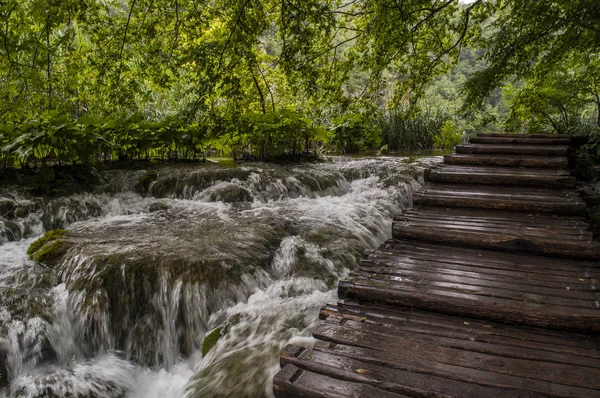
(253, 251)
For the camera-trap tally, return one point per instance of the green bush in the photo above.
(402, 129)
(449, 136)
(353, 133)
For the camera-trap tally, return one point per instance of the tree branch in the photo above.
(124, 41)
(237, 21)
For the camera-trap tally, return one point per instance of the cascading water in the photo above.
(148, 269)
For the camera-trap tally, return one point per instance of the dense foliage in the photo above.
(87, 80)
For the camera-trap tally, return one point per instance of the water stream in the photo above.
(250, 253)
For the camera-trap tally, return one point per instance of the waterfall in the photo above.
(248, 254)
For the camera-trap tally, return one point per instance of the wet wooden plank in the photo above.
(518, 224)
(554, 136)
(558, 195)
(493, 259)
(469, 304)
(509, 198)
(520, 140)
(552, 296)
(404, 376)
(556, 162)
(424, 354)
(501, 176)
(547, 150)
(525, 228)
(433, 274)
(407, 321)
(505, 170)
(296, 382)
(498, 216)
(517, 242)
(465, 351)
(488, 267)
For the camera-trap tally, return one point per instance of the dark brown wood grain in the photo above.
(542, 150)
(490, 288)
(554, 162)
(520, 140)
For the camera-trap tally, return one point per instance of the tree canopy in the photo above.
(112, 72)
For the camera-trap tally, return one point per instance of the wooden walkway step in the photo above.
(504, 287)
(500, 135)
(498, 230)
(381, 351)
(564, 202)
(520, 140)
(544, 178)
(541, 150)
(490, 288)
(555, 162)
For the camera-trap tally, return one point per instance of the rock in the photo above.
(210, 340)
(24, 208)
(228, 193)
(590, 197)
(146, 180)
(158, 206)
(61, 212)
(10, 231)
(138, 280)
(7, 207)
(48, 249)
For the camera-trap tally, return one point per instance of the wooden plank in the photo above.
(517, 242)
(504, 192)
(497, 217)
(525, 229)
(403, 376)
(461, 303)
(505, 170)
(514, 204)
(524, 135)
(491, 176)
(482, 267)
(483, 258)
(415, 321)
(493, 220)
(446, 357)
(481, 287)
(548, 150)
(557, 162)
(465, 351)
(433, 274)
(292, 381)
(520, 140)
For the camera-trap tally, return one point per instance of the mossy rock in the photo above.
(210, 340)
(7, 207)
(158, 206)
(10, 230)
(48, 249)
(146, 179)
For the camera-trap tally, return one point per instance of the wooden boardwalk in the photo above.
(489, 288)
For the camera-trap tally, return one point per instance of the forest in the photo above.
(186, 186)
(90, 81)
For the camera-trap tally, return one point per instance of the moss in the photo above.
(49, 248)
(210, 340)
(7, 207)
(146, 179)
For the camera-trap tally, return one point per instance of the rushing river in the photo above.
(153, 266)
